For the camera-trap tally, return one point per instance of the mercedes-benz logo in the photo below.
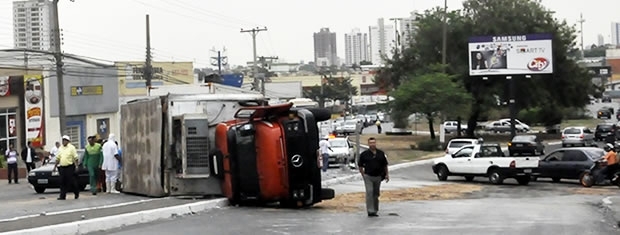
(297, 160)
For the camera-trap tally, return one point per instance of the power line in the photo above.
(254, 32)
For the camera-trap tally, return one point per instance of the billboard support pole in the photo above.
(512, 107)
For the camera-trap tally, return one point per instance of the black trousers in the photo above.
(68, 181)
(12, 170)
(30, 166)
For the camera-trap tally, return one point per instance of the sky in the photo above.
(188, 30)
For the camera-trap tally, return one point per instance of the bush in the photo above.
(429, 145)
(3, 162)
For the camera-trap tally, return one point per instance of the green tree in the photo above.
(335, 88)
(432, 93)
(595, 51)
(364, 62)
(491, 17)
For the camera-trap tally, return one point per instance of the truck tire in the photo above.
(524, 180)
(496, 177)
(442, 173)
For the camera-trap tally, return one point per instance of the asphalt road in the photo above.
(539, 208)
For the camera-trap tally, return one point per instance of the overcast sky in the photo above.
(187, 30)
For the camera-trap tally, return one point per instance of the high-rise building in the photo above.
(406, 29)
(615, 33)
(325, 51)
(382, 38)
(600, 40)
(32, 24)
(356, 47)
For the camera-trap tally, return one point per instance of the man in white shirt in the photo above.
(324, 148)
(54, 151)
(110, 163)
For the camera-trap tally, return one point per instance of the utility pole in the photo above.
(445, 35)
(254, 32)
(148, 66)
(581, 21)
(396, 33)
(219, 61)
(62, 117)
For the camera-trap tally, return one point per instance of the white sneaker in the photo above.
(115, 191)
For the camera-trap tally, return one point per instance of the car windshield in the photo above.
(338, 143)
(572, 131)
(458, 143)
(604, 127)
(595, 153)
(523, 138)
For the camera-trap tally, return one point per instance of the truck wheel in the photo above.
(495, 177)
(39, 189)
(469, 178)
(524, 180)
(442, 173)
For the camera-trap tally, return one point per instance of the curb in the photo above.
(121, 220)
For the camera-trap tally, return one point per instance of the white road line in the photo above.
(80, 209)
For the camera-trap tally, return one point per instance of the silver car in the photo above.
(577, 136)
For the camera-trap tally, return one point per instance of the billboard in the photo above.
(33, 108)
(510, 55)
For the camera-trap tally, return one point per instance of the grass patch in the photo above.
(352, 202)
(398, 148)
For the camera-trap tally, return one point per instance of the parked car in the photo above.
(568, 163)
(603, 130)
(45, 177)
(529, 144)
(341, 150)
(457, 143)
(524, 127)
(486, 160)
(452, 126)
(577, 136)
(603, 113)
(503, 126)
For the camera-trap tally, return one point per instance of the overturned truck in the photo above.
(222, 144)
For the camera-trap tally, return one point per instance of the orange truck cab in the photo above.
(269, 154)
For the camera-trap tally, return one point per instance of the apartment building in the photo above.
(33, 24)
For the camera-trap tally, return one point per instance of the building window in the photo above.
(21, 25)
(21, 20)
(21, 30)
(34, 9)
(21, 10)
(22, 35)
(22, 45)
(35, 29)
(8, 129)
(36, 39)
(35, 24)
(74, 133)
(35, 43)
(35, 19)
(35, 34)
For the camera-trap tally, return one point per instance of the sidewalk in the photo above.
(76, 215)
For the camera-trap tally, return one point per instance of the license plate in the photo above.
(519, 145)
(527, 171)
(42, 181)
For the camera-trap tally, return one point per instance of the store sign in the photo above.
(12, 126)
(5, 88)
(86, 90)
(34, 109)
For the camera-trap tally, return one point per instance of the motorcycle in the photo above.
(589, 177)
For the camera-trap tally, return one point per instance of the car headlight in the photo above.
(32, 173)
(54, 173)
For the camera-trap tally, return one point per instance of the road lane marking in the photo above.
(81, 209)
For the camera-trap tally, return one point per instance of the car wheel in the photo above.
(523, 180)
(586, 179)
(442, 173)
(495, 177)
(39, 189)
(556, 179)
(469, 178)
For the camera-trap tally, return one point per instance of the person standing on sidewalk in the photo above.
(11, 161)
(110, 163)
(373, 166)
(29, 156)
(93, 159)
(324, 148)
(66, 162)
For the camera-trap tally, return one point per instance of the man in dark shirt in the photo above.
(373, 166)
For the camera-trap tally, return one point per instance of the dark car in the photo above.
(604, 130)
(526, 144)
(568, 163)
(604, 113)
(44, 177)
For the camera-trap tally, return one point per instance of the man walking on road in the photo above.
(93, 159)
(324, 148)
(110, 163)
(67, 158)
(373, 166)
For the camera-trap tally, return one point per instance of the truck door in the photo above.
(460, 160)
(482, 159)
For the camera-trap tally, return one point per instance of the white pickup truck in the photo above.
(486, 160)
